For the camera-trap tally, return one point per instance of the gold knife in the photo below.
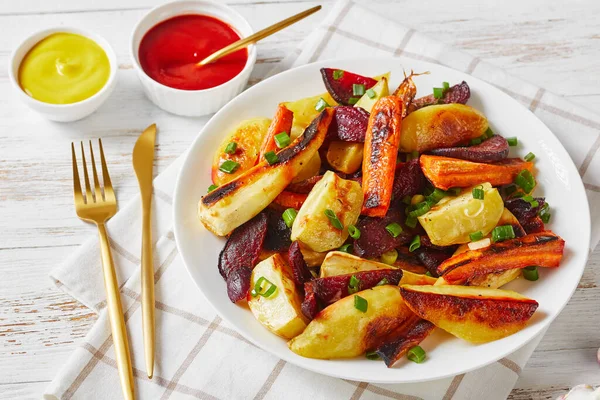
(143, 159)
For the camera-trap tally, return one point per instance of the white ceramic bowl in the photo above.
(192, 103)
(63, 112)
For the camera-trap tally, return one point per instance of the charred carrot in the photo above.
(380, 154)
(287, 199)
(446, 172)
(544, 249)
(406, 91)
(282, 122)
(408, 335)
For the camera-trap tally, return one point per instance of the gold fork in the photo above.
(98, 207)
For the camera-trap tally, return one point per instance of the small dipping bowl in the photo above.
(63, 112)
(192, 103)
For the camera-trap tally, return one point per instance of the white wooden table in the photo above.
(550, 43)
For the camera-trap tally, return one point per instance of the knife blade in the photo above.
(143, 160)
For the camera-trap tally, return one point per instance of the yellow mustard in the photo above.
(64, 68)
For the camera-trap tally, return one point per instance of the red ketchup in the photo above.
(170, 51)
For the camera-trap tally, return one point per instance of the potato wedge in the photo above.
(475, 314)
(341, 263)
(342, 331)
(234, 203)
(304, 109)
(248, 136)
(280, 313)
(312, 168)
(444, 125)
(312, 258)
(313, 228)
(452, 219)
(345, 157)
(380, 90)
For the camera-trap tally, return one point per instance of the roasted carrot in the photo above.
(380, 154)
(544, 249)
(287, 199)
(407, 91)
(446, 172)
(282, 122)
(408, 335)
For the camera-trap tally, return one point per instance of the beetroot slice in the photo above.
(456, 94)
(375, 240)
(349, 124)
(238, 283)
(408, 179)
(332, 288)
(400, 341)
(432, 258)
(310, 305)
(526, 214)
(278, 234)
(300, 271)
(492, 150)
(244, 245)
(341, 89)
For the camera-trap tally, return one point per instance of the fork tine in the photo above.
(76, 182)
(98, 193)
(88, 193)
(109, 193)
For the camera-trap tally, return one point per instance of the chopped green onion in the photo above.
(428, 273)
(347, 248)
(321, 105)
(406, 199)
(529, 157)
(478, 193)
(372, 355)
(337, 74)
(353, 285)
(503, 232)
(354, 232)
(525, 181)
(229, 167)
(445, 86)
(358, 89)
(438, 93)
(416, 354)
(411, 222)
(211, 188)
(437, 195)
(531, 273)
(360, 304)
(289, 216)
(475, 236)
(271, 157)
(534, 203)
(382, 282)
(371, 93)
(488, 133)
(389, 257)
(454, 191)
(475, 141)
(512, 141)
(282, 140)
(544, 213)
(353, 100)
(394, 229)
(420, 209)
(415, 244)
(334, 219)
(258, 289)
(528, 198)
(231, 148)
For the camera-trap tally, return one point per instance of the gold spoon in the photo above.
(242, 43)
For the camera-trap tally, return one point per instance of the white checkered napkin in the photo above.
(198, 354)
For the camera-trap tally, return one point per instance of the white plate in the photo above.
(446, 356)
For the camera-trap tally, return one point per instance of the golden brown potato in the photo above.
(345, 157)
(475, 314)
(444, 125)
(341, 263)
(311, 169)
(381, 89)
(248, 136)
(304, 109)
(312, 258)
(342, 331)
(281, 312)
(312, 226)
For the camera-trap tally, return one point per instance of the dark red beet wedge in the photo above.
(456, 94)
(526, 214)
(238, 283)
(278, 234)
(341, 88)
(349, 124)
(492, 150)
(408, 180)
(310, 305)
(300, 271)
(375, 239)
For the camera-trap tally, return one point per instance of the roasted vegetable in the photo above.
(345, 157)
(368, 100)
(234, 203)
(280, 311)
(527, 214)
(491, 150)
(475, 314)
(349, 124)
(456, 94)
(408, 180)
(380, 154)
(305, 112)
(408, 335)
(340, 84)
(328, 335)
(341, 263)
(311, 257)
(543, 249)
(452, 219)
(374, 238)
(287, 199)
(248, 137)
(432, 258)
(312, 168)
(300, 271)
(445, 172)
(278, 234)
(282, 122)
(441, 126)
(304, 186)
(313, 227)
(406, 91)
